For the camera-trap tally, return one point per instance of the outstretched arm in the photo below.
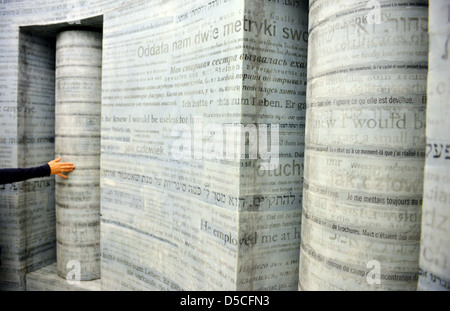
(10, 175)
(54, 167)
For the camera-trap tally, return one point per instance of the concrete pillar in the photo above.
(77, 127)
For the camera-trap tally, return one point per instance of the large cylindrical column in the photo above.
(435, 240)
(77, 127)
(364, 142)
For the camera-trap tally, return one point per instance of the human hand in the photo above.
(57, 167)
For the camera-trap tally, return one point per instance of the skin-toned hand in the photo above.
(57, 167)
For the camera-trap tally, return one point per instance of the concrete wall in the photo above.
(172, 69)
